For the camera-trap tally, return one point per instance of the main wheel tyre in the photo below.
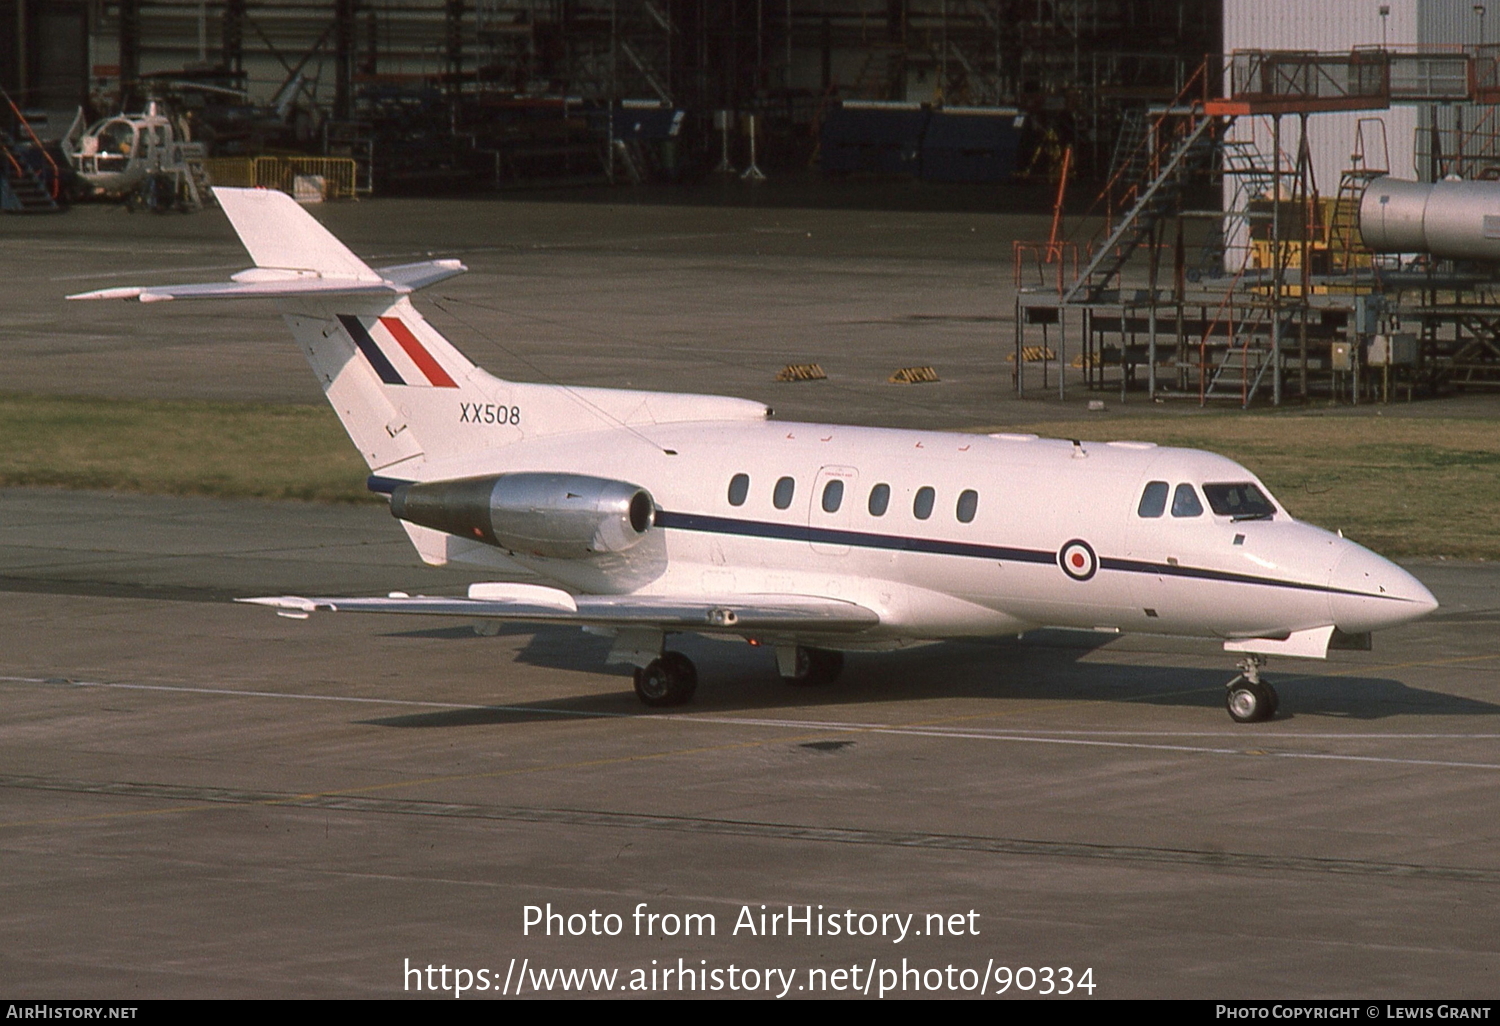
(684, 673)
(816, 666)
(1250, 703)
(670, 680)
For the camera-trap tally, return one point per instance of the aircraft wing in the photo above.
(739, 614)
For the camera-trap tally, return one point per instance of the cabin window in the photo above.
(1185, 502)
(1153, 500)
(833, 496)
(880, 500)
(739, 488)
(782, 496)
(968, 505)
(1242, 501)
(921, 506)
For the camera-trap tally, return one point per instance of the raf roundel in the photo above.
(1078, 560)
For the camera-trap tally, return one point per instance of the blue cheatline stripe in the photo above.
(827, 536)
(372, 352)
(1135, 566)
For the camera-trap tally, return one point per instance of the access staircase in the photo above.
(1239, 373)
(1155, 159)
(22, 190)
(1227, 246)
(972, 79)
(30, 180)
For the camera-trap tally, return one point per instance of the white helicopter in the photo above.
(129, 155)
(652, 513)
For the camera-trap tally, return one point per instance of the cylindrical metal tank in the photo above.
(1458, 220)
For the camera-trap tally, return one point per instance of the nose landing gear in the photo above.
(1248, 698)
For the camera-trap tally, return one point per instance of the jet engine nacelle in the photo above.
(563, 516)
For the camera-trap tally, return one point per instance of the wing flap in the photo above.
(740, 614)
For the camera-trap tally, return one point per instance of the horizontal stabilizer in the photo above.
(419, 276)
(743, 614)
(248, 290)
(295, 257)
(262, 284)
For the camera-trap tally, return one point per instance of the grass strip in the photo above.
(232, 450)
(1403, 486)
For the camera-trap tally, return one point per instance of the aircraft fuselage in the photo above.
(951, 535)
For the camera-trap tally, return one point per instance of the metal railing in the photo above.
(1263, 75)
(54, 180)
(281, 173)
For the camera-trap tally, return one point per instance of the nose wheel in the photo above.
(1248, 698)
(670, 680)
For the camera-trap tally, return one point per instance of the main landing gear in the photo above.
(1248, 698)
(670, 680)
(810, 667)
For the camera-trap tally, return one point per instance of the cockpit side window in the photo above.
(1185, 502)
(1153, 500)
(1243, 501)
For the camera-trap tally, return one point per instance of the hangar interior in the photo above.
(1209, 161)
(475, 93)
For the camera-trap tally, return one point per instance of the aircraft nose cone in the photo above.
(1369, 593)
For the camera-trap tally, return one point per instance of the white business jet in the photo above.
(653, 513)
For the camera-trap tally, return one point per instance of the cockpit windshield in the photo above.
(1243, 501)
(116, 137)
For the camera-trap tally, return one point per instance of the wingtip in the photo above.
(288, 602)
(127, 292)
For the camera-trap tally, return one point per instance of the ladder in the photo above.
(1343, 230)
(22, 190)
(1244, 364)
(1158, 170)
(1243, 164)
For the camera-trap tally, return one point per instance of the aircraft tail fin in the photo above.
(398, 386)
(410, 400)
(281, 235)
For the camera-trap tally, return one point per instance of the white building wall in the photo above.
(1343, 25)
(1456, 23)
(1329, 26)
